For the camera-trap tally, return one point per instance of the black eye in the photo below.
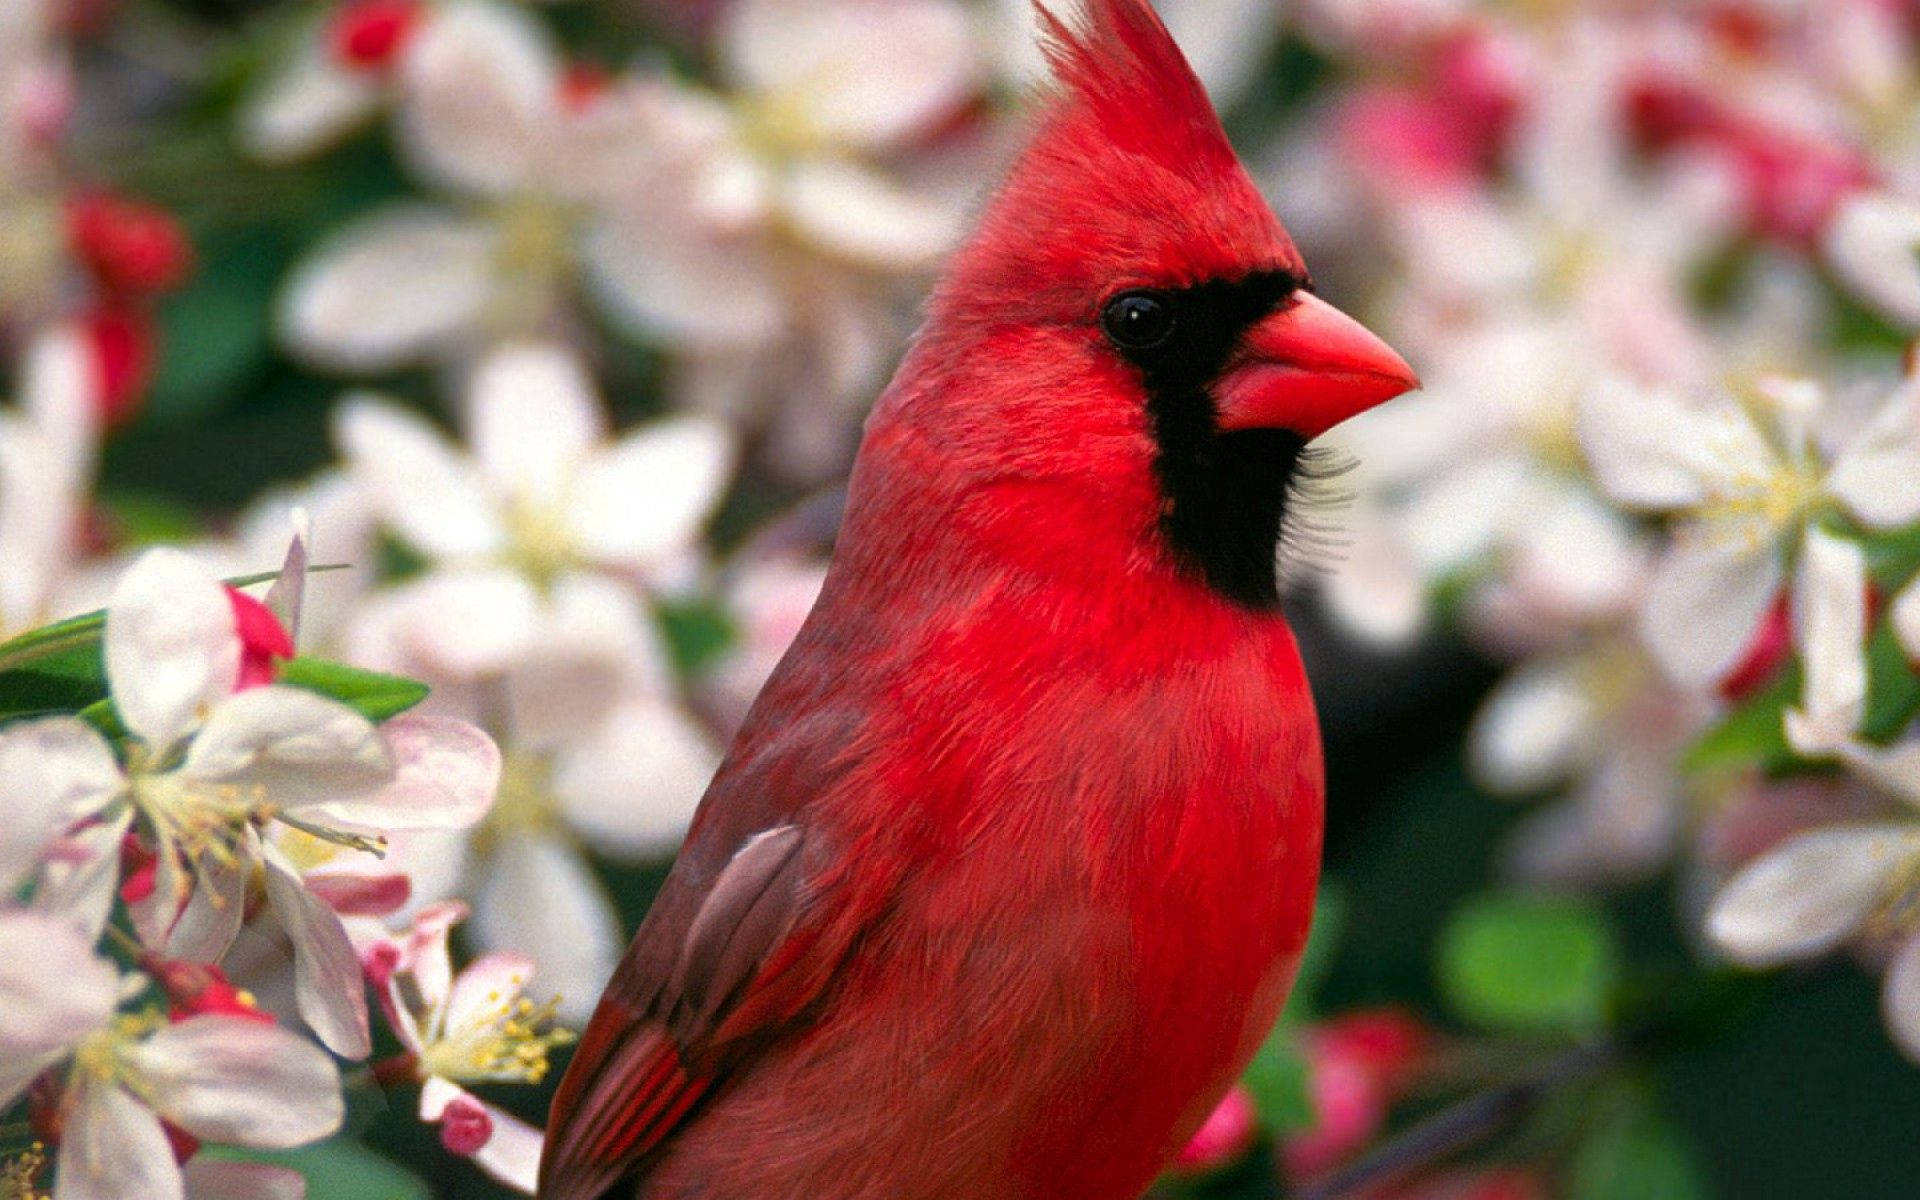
(1138, 320)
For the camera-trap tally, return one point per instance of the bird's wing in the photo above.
(721, 967)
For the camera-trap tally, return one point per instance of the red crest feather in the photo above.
(1128, 180)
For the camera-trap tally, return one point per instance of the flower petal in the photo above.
(1706, 598)
(1900, 998)
(630, 786)
(536, 892)
(296, 747)
(479, 85)
(53, 772)
(1871, 242)
(386, 290)
(461, 624)
(112, 1147)
(170, 645)
(82, 874)
(45, 1012)
(596, 640)
(221, 1179)
(861, 215)
(694, 288)
(512, 1154)
(242, 1082)
(417, 481)
(445, 775)
(1829, 633)
(646, 497)
(215, 908)
(1534, 728)
(1809, 895)
(1877, 475)
(484, 993)
(859, 73)
(307, 105)
(332, 998)
(1651, 449)
(534, 417)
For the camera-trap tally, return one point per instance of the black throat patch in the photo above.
(1225, 494)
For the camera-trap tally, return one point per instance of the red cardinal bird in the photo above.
(1008, 872)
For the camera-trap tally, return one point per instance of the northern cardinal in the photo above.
(1008, 871)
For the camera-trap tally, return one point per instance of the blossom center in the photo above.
(20, 1175)
(533, 254)
(507, 1040)
(525, 802)
(539, 544)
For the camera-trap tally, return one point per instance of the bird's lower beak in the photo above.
(1308, 367)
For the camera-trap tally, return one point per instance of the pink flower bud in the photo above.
(131, 248)
(465, 1127)
(1228, 1133)
(122, 341)
(369, 35)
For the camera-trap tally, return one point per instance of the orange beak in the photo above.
(1308, 367)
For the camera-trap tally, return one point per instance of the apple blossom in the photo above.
(1742, 478)
(474, 1028)
(206, 769)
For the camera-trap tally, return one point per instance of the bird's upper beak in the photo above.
(1307, 367)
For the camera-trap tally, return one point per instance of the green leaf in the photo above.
(1635, 1154)
(338, 1170)
(1527, 963)
(1277, 1080)
(697, 633)
(373, 695)
(66, 679)
(1329, 919)
(51, 640)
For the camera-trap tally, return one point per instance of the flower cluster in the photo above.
(1657, 264)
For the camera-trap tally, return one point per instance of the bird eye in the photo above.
(1138, 320)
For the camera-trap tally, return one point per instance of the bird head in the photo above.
(1130, 305)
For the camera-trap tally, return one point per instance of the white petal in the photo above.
(512, 1154)
(631, 786)
(1871, 243)
(385, 291)
(171, 647)
(1877, 476)
(417, 481)
(82, 875)
(44, 1012)
(1533, 729)
(1650, 449)
(465, 624)
(534, 417)
(596, 639)
(538, 894)
(211, 919)
(484, 993)
(1900, 998)
(435, 1094)
(694, 288)
(307, 105)
(239, 1081)
(863, 216)
(445, 774)
(1904, 616)
(1809, 895)
(327, 976)
(113, 1148)
(647, 496)
(60, 391)
(865, 73)
(1467, 511)
(1829, 634)
(220, 1179)
(1375, 591)
(286, 596)
(1704, 603)
(478, 89)
(297, 747)
(53, 772)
